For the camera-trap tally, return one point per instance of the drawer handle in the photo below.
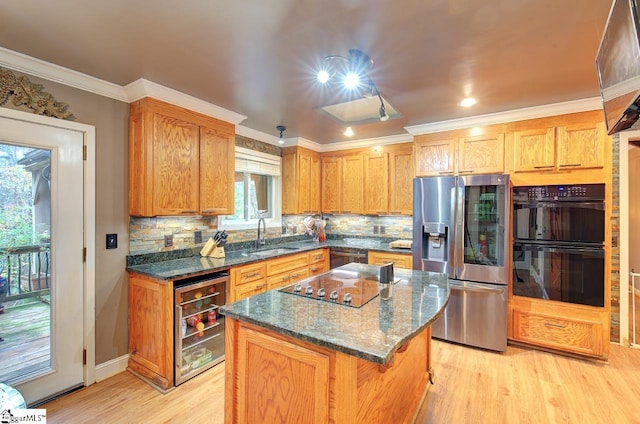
(317, 258)
(570, 164)
(471, 171)
(253, 274)
(189, 211)
(550, 324)
(396, 212)
(296, 275)
(261, 286)
(314, 269)
(543, 167)
(445, 172)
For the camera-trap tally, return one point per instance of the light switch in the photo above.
(112, 241)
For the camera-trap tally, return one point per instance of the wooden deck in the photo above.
(25, 349)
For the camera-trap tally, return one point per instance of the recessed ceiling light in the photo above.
(351, 80)
(348, 132)
(468, 102)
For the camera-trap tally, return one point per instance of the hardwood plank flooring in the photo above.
(472, 386)
(25, 349)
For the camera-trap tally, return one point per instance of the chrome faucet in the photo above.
(260, 239)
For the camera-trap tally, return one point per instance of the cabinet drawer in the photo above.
(399, 260)
(318, 268)
(578, 336)
(249, 289)
(248, 273)
(278, 280)
(286, 263)
(298, 274)
(318, 256)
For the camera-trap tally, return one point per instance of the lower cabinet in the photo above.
(400, 260)
(256, 278)
(576, 330)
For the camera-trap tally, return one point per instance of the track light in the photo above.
(282, 129)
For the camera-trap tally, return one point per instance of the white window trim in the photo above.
(252, 161)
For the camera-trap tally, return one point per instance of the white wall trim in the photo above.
(144, 88)
(111, 367)
(39, 68)
(583, 105)
(257, 135)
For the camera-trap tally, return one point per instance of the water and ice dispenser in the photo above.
(435, 242)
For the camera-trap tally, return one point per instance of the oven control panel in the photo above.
(581, 192)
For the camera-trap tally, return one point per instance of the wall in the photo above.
(110, 118)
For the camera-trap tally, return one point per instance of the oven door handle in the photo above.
(348, 255)
(518, 204)
(593, 251)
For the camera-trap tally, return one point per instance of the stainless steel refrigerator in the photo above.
(460, 227)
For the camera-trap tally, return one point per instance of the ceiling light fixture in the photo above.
(354, 73)
(348, 131)
(468, 102)
(282, 129)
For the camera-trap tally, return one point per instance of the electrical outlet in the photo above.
(382, 229)
(168, 240)
(375, 229)
(197, 237)
(112, 241)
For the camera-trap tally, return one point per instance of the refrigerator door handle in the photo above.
(459, 235)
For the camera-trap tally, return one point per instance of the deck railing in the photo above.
(24, 272)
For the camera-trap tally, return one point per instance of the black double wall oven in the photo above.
(558, 247)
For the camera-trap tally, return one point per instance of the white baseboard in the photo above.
(111, 368)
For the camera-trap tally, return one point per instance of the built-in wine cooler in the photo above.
(199, 328)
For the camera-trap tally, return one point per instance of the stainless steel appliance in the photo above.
(339, 256)
(459, 228)
(345, 285)
(199, 329)
(558, 246)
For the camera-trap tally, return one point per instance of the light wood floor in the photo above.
(472, 386)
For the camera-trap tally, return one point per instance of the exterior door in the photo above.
(66, 279)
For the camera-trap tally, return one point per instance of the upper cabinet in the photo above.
(374, 182)
(180, 162)
(561, 148)
(301, 181)
(443, 154)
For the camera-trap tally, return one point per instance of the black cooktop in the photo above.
(345, 287)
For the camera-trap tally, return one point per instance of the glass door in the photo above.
(482, 224)
(41, 265)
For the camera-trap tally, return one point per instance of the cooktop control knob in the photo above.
(333, 295)
(346, 298)
(297, 288)
(321, 292)
(309, 290)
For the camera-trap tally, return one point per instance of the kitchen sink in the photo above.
(275, 251)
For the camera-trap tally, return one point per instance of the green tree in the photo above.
(16, 205)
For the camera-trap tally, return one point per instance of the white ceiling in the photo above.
(258, 57)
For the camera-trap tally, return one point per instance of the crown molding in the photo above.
(141, 88)
(51, 72)
(553, 109)
(257, 135)
(367, 142)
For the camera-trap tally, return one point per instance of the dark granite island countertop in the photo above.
(373, 332)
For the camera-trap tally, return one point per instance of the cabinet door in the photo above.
(304, 184)
(534, 150)
(352, 184)
(290, 183)
(315, 178)
(401, 183)
(581, 146)
(175, 166)
(217, 171)
(376, 174)
(151, 329)
(331, 185)
(435, 157)
(481, 154)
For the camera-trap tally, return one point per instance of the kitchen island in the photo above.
(294, 358)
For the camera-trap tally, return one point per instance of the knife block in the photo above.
(217, 252)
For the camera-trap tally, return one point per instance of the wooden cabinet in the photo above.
(180, 162)
(352, 184)
(151, 329)
(331, 184)
(249, 280)
(376, 175)
(435, 157)
(562, 148)
(401, 182)
(301, 181)
(481, 154)
(400, 260)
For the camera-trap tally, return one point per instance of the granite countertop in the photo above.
(373, 332)
(194, 265)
